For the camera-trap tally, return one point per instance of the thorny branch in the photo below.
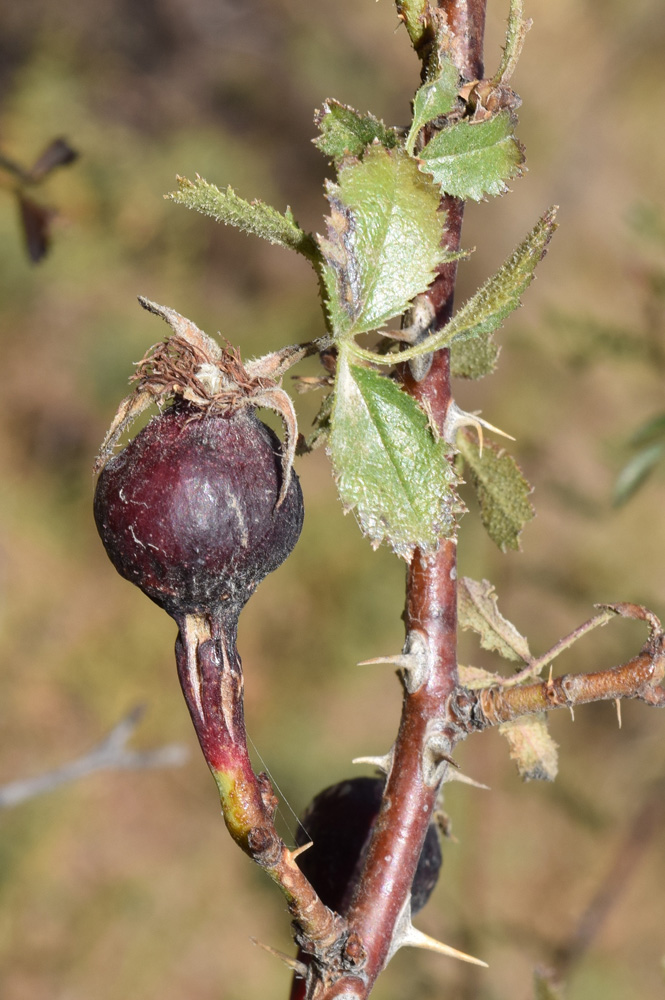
(109, 755)
(641, 678)
(378, 916)
(437, 713)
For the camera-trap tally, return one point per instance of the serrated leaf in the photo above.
(473, 358)
(502, 490)
(474, 159)
(389, 467)
(531, 747)
(485, 311)
(433, 99)
(635, 473)
(345, 132)
(477, 610)
(515, 35)
(383, 245)
(251, 217)
(476, 678)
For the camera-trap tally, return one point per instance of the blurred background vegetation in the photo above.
(126, 885)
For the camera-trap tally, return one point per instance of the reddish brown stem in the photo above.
(383, 890)
(639, 678)
(211, 678)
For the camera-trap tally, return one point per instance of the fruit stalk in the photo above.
(211, 678)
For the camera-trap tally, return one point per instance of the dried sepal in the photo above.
(189, 365)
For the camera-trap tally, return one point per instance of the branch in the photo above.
(640, 678)
(110, 755)
(378, 916)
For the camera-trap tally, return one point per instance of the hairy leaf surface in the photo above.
(502, 490)
(485, 311)
(383, 243)
(389, 467)
(474, 159)
(531, 747)
(477, 610)
(473, 358)
(434, 99)
(345, 132)
(252, 217)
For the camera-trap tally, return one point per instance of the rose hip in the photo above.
(339, 821)
(189, 512)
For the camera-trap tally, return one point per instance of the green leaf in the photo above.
(517, 29)
(414, 15)
(636, 472)
(384, 236)
(345, 132)
(389, 467)
(502, 490)
(434, 99)
(531, 747)
(473, 358)
(474, 159)
(485, 311)
(252, 217)
(477, 610)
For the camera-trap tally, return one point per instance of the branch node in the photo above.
(264, 846)
(436, 758)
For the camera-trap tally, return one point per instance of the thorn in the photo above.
(457, 418)
(572, 713)
(549, 679)
(617, 702)
(464, 779)
(436, 744)
(413, 938)
(413, 661)
(435, 757)
(383, 763)
(301, 850)
(299, 968)
(404, 661)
